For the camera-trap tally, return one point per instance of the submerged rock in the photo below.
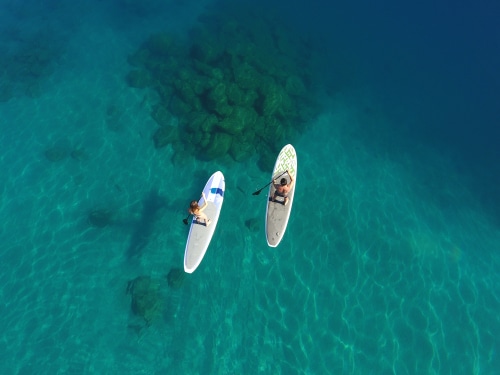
(235, 91)
(176, 278)
(146, 299)
(78, 154)
(55, 154)
(253, 224)
(100, 218)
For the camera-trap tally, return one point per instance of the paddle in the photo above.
(262, 188)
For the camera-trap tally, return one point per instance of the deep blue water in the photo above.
(435, 65)
(390, 260)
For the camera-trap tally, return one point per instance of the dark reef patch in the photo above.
(146, 301)
(175, 277)
(100, 218)
(240, 84)
(56, 153)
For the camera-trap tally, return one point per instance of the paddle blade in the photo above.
(185, 221)
(256, 192)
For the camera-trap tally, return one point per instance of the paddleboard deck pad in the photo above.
(277, 213)
(200, 235)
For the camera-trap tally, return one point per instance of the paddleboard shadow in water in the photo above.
(143, 229)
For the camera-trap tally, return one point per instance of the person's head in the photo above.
(193, 205)
(283, 182)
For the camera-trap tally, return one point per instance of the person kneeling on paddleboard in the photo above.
(282, 189)
(197, 211)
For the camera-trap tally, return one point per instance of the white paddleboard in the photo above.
(199, 236)
(277, 214)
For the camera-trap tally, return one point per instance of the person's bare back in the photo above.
(282, 189)
(197, 211)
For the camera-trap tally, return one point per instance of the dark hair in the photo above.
(283, 181)
(193, 206)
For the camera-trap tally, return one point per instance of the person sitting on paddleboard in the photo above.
(282, 189)
(197, 211)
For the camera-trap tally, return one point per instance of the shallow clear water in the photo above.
(389, 264)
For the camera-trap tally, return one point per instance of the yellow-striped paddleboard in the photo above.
(277, 214)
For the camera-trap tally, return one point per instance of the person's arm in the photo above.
(275, 180)
(291, 180)
(205, 203)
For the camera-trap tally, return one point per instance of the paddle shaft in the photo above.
(263, 187)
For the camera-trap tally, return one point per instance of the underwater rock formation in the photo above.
(28, 62)
(176, 278)
(58, 153)
(146, 299)
(238, 86)
(55, 154)
(253, 224)
(165, 135)
(79, 154)
(100, 218)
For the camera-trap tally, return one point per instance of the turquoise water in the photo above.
(389, 264)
